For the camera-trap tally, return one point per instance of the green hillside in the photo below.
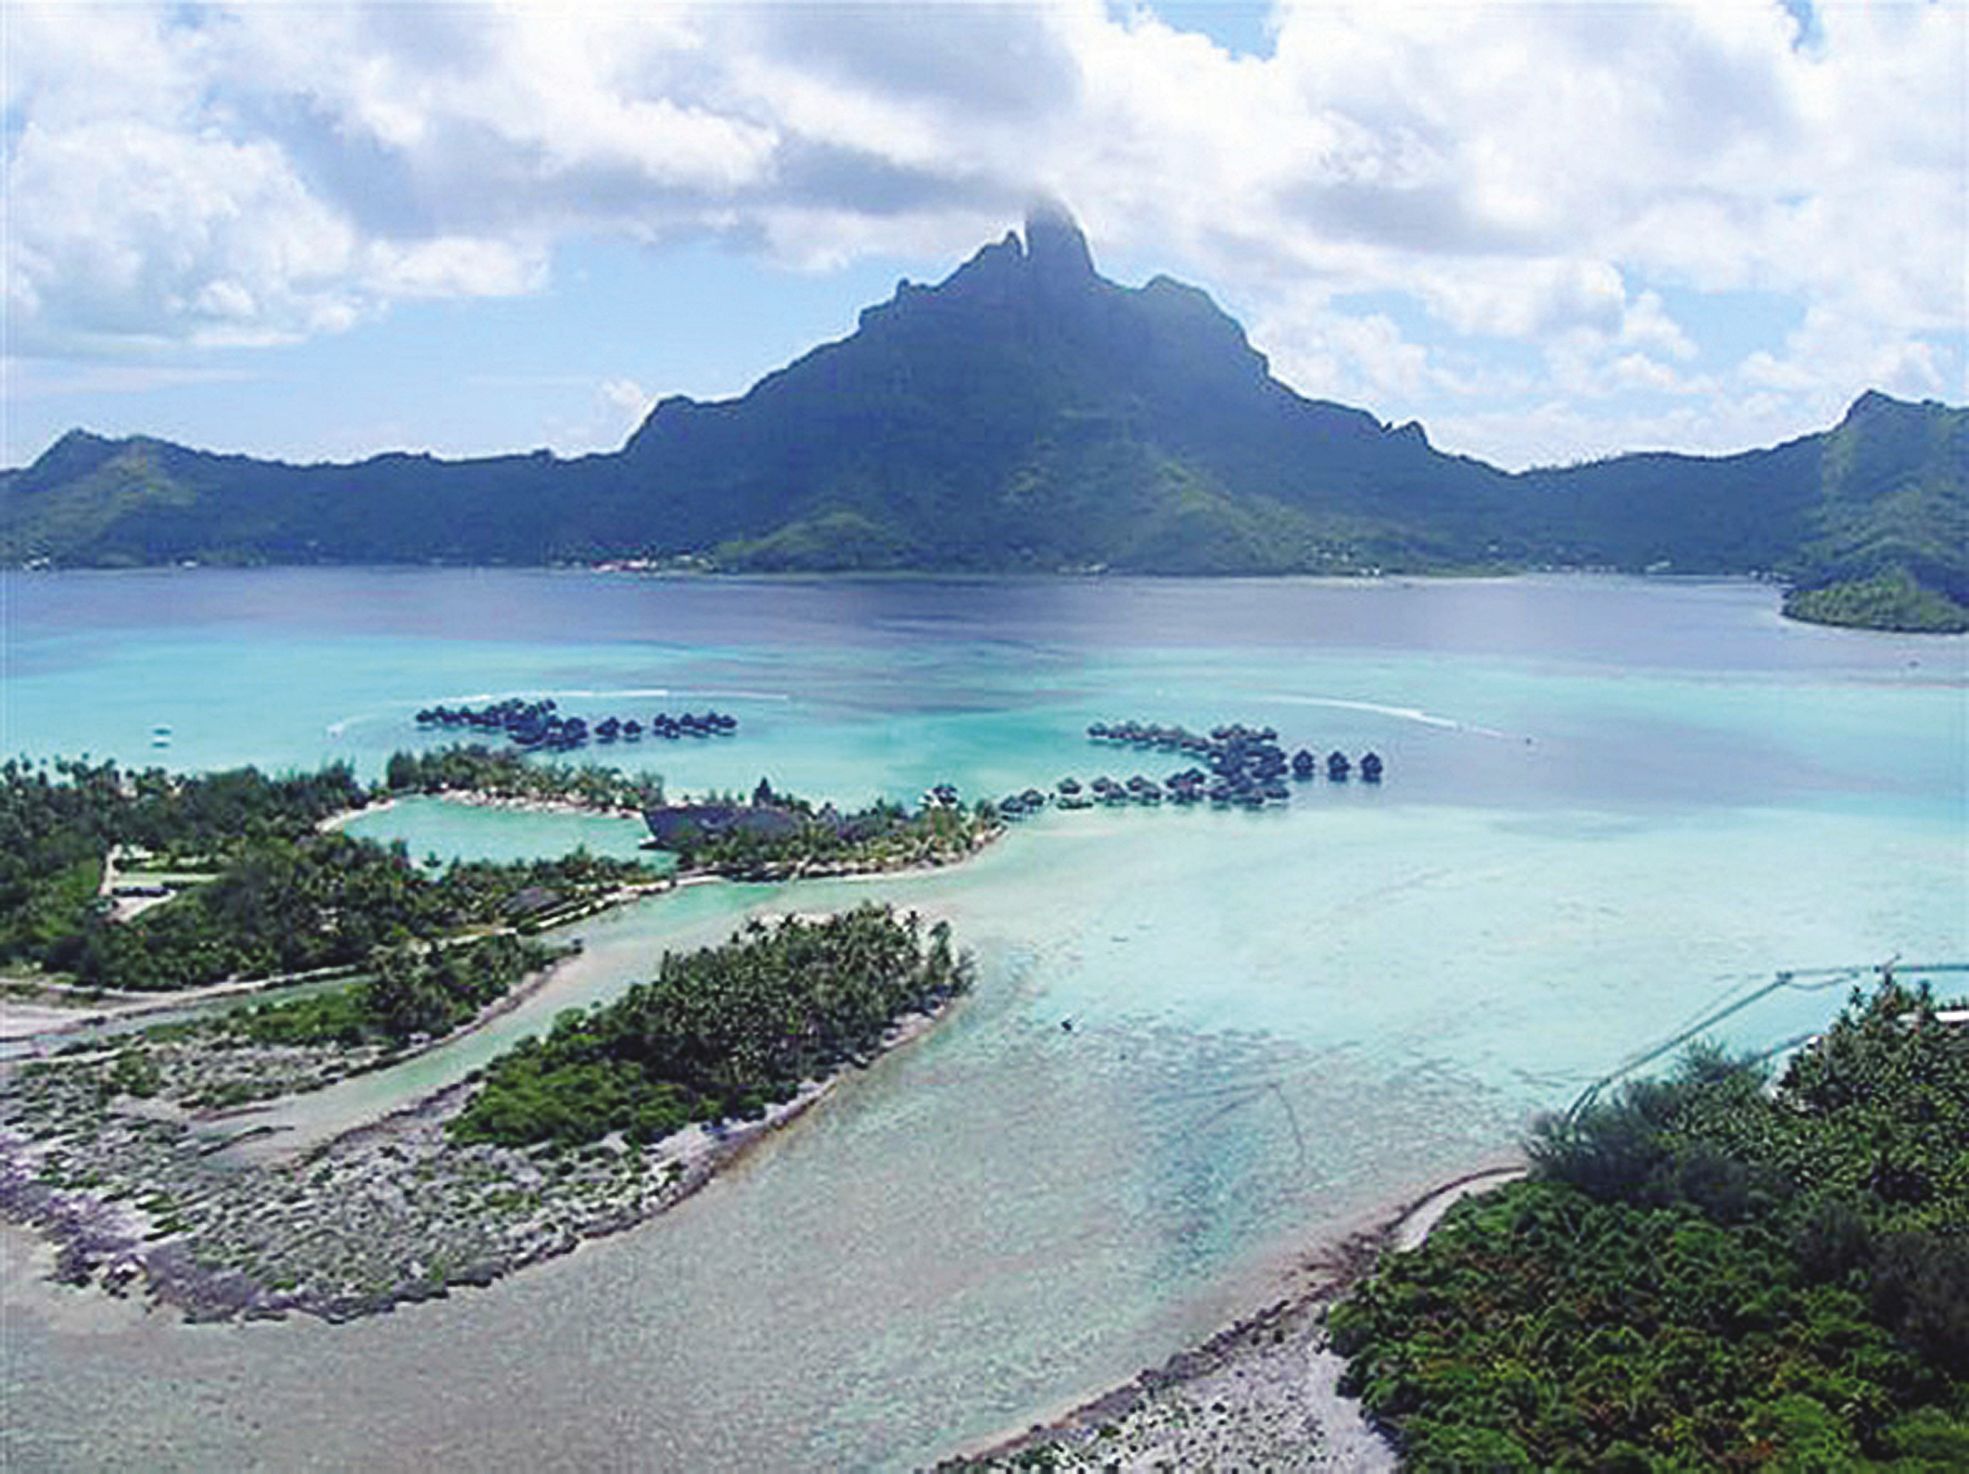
(1889, 537)
(1027, 414)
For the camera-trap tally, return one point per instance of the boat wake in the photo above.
(1401, 713)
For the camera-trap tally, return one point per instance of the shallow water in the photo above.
(453, 831)
(1611, 805)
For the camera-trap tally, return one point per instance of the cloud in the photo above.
(1534, 182)
(627, 399)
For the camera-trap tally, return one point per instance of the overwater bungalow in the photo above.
(607, 730)
(632, 730)
(1234, 763)
(1371, 767)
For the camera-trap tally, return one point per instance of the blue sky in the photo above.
(1546, 231)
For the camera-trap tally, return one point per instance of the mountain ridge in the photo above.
(1027, 414)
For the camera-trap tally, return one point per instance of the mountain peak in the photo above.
(75, 451)
(1874, 407)
(1872, 402)
(1055, 246)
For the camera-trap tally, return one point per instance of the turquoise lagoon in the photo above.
(429, 827)
(1612, 805)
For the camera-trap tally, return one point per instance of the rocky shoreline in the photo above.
(136, 1201)
(1261, 1394)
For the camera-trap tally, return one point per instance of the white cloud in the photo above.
(626, 398)
(455, 266)
(1529, 179)
(1829, 351)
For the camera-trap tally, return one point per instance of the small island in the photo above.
(615, 1115)
(128, 893)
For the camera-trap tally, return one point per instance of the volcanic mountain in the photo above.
(1028, 414)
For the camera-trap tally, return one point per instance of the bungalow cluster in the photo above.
(540, 724)
(1232, 765)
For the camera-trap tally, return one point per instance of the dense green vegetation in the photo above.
(718, 1033)
(1026, 414)
(412, 991)
(1890, 543)
(278, 895)
(504, 773)
(883, 836)
(58, 822)
(328, 901)
(1704, 1274)
(73, 808)
(1885, 601)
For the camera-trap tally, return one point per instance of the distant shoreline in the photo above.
(919, 575)
(1793, 605)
